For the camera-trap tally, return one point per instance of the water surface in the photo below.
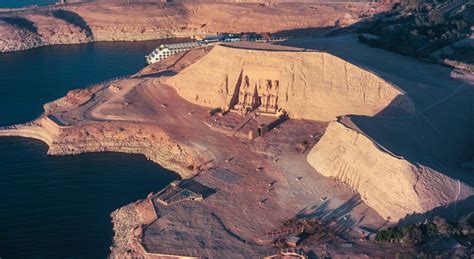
(24, 3)
(59, 207)
(30, 78)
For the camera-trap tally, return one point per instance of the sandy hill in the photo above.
(119, 21)
(312, 85)
(412, 160)
(320, 86)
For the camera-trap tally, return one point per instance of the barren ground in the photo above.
(144, 114)
(224, 225)
(118, 21)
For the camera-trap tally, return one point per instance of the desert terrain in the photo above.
(83, 22)
(354, 141)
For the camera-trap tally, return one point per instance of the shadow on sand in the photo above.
(340, 215)
(21, 23)
(75, 19)
(161, 73)
(451, 212)
(439, 133)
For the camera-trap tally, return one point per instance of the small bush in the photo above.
(302, 146)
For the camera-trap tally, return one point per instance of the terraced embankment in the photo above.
(42, 129)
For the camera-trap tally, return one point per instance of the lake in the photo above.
(57, 207)
(24, 3)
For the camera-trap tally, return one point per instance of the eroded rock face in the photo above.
(34, 30)
(14, 38)
(42, 129)
(309, 85)
(128, 138)
(391, 185)
(119, 21)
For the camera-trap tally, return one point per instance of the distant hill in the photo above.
(424, 29)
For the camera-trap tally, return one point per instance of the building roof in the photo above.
(182, 45)
(213, 37)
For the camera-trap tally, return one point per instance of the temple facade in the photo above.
(258, 94)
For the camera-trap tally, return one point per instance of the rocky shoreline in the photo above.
(129, 219)
(168, 153)
(127, 226)
(93, 22)
(341, 175)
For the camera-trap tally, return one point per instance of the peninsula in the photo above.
(310, 146)
(264, 170)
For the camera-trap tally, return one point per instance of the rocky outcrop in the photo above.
(150, 141)
(135, 116)
(42, 129)
(129, 222)
(128, 138)
(391, 185)
(34, 30)
(311, 85)
(108, 21)
(125, 220)
(14, 38)
(73, 98)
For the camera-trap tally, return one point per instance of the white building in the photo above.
(166, 50)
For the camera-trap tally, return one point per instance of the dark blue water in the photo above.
(23, 3)
(58, 207)
(30, 78)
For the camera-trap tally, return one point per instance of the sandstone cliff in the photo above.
(42, 129)
(117, 21)
(149, 141)
(311, 85)
(391, 185)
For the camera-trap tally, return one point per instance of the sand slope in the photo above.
(392, 186)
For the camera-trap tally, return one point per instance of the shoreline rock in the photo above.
(100, 22)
